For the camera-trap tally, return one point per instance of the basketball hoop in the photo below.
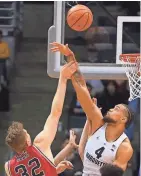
(71, 3)
(132, 64)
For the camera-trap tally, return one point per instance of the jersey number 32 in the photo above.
(21, 169)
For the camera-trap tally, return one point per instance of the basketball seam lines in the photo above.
(86, 22)
(78, 19)
(76, 11)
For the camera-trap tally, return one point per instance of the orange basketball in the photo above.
(79, 18)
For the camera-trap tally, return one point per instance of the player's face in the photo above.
(28, 138)
(117, 115)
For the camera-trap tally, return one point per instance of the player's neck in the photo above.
(113, 132)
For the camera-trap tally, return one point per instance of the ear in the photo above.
(28, 141)
(124, 119)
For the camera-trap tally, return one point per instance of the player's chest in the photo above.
(98, 148)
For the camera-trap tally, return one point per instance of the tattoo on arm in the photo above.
(77, 76)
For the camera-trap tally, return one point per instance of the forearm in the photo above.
(63, 154)
(79, 85)
(83, 95)
(50, 127)
(78, 77)
(58, 101)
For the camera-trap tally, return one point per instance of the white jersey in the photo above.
(98, 152)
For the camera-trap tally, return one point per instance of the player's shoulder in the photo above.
(6, 167)
(126, 147)
(6, 164)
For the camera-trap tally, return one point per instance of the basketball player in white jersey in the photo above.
(107, 142)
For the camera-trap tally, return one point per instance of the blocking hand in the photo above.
(63, 49)
(68, 69)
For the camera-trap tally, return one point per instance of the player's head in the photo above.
(120, 114)
(111, 170)
(17, 137)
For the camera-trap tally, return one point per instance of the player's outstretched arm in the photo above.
(69, 148)
(46, 137)
(124, 155)
(93, 113)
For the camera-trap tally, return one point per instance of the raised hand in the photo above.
(95, 102)
(63, 49)
(72, 139)
(68, 69)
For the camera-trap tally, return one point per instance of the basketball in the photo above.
(79, 18)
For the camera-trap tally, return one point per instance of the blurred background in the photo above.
(26, 91)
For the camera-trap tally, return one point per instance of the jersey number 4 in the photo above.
(21, 169)
(99, 152)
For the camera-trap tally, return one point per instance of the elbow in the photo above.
(57, 112)
(56, 162)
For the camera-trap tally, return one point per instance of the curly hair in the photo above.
(16, 138)
(111, 170)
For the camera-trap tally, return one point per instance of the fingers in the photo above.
(55, 49)
(72, 139)
(94, 101)
(68, 64)
(72, 136)
(64, 49)
(72, 66)
(68, 164)
(68, 69)
(71, 132)
(55, 44)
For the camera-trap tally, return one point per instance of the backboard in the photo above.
(97, 53)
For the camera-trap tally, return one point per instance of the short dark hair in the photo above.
(111, 170)
(1, 32)
(130, 115)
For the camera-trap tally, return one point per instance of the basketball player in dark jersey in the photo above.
(36, 159)
(112, 125)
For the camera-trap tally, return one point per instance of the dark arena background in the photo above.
(26, 90)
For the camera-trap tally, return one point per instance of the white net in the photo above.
(133, 72)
